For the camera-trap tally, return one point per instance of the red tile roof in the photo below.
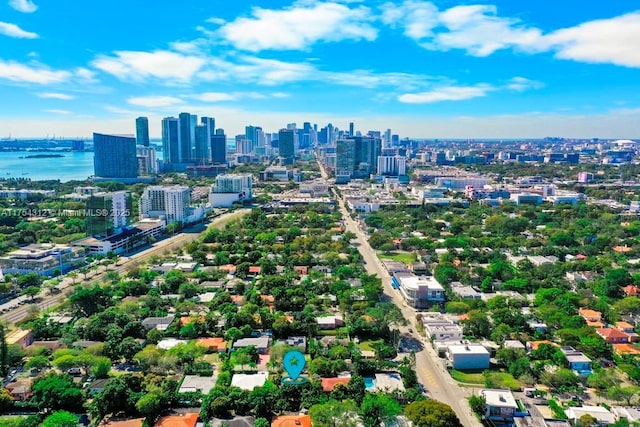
(181, 420)
(291, 421)
(329, 384)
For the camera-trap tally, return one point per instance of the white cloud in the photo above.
(474, 28)
(61, 112)
(299, 27)
(215, 97)
(155, 101)
(520, 84)
(12, 30)
(55, 95)
(37, 73)
(479, 31)
(216, 21)
(160, 64)
(25, 6)
(418, 18)
(447, 93)
(235, 96)
(612, 40)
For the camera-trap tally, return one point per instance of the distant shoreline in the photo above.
(41, 156)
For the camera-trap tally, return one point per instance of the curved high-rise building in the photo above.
(114, 156)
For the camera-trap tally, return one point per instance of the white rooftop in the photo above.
(600, 413)
(168, 343)
(499, 398)
(468, 349)
(416, 282)
(249, 381)
(193, 383)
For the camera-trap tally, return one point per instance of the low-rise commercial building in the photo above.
(421, 291)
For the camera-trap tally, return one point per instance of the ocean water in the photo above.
(73, 166)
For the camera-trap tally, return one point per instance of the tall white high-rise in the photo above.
(172, 202)
(392, 165)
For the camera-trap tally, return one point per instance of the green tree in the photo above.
(32, 291)
(478, 404)
(56, 391)
(6, 401)
(261, 422)
(150, 405)
(431, 413)
(38, 362)
(61, 419)
(334, 413)
(587, 420)
(378, 408)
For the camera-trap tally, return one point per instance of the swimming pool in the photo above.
(369, 383)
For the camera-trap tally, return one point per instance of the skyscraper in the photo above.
(210, 123)
(170, 140)
(203, 142)
(187, 136)
(114, 156)
(345, 159)
(357, 157)
(219, 148)
(142, 131)
(352, 131)
(286, 145)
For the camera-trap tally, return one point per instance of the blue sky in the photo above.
(424, 69)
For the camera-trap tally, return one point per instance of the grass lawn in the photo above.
(368, 345)
(503, 380)
(406, 257)
(211, 358)
(334, 332)
(468, 377)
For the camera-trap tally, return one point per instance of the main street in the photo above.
(430, 369)
(164, 246)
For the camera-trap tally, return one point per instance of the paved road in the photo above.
(429, 367)
(47, 300)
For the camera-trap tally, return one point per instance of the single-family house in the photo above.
(330, 322)
(577, 361)
(179, 420)
(628, 329)
(194, 383)
(119, 422)
(601, 414)
(291, 421)
(260, 343)
(159, 323)
(213, 344)
(249, 381)
(613, 335)
(631, 290)
(626, 349)
(592, 317)
(514, 344)
(328, 384)
(500, 405)
(629, 413)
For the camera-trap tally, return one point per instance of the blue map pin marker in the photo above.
(294, 363)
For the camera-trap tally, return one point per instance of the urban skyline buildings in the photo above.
(142, 131)
(115, 156)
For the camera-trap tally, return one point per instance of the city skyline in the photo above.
(423, 69)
